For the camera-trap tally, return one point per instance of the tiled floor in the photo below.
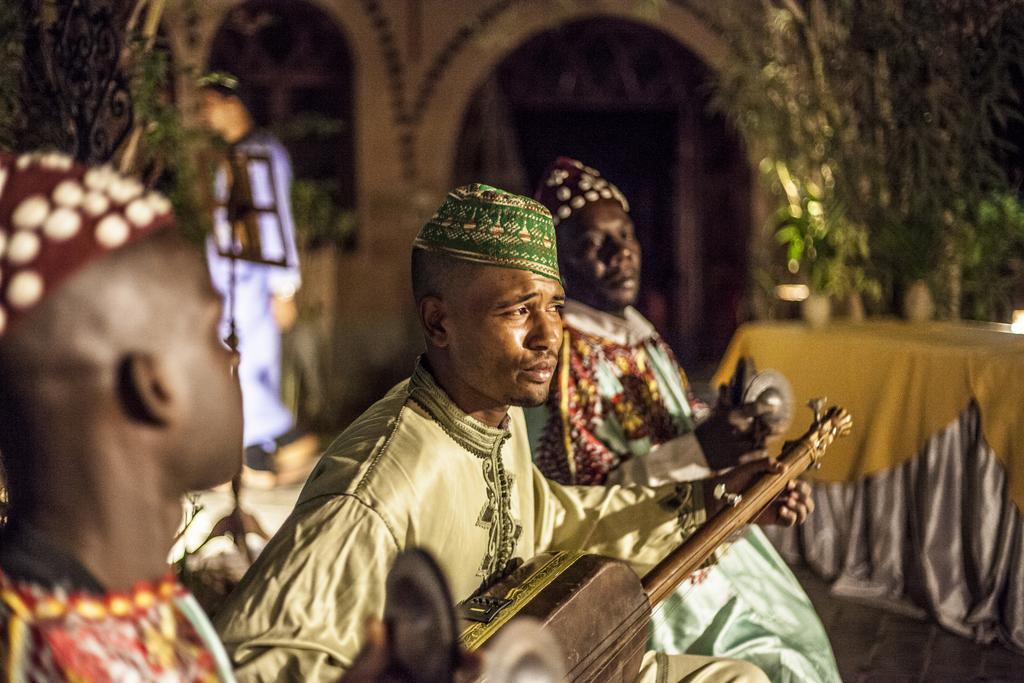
(875, 646)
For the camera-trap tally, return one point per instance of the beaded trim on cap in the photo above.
(569, 185)
(487, 225)
(57, 216)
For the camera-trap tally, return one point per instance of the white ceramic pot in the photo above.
(918, 303)
(816, 310)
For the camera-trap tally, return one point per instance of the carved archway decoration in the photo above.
(77, 91)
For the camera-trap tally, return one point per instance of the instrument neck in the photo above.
(663, 580)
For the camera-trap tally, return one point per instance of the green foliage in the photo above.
(895, 109)
(992, 245)
(171, 153)
(829, 250)
(319, 218)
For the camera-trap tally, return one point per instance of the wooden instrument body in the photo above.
(595, 607)
(599, 609)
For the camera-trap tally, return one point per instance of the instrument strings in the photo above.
(665, 611)
(837, 422)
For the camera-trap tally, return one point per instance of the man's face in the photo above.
(601, 256)
(210, 430)
(504, 329)
(215, 111)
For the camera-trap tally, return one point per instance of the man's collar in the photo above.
(629, 331)
(470, 433)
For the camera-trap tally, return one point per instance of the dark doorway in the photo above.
(632, 102)
(636, 148)
(296, 63)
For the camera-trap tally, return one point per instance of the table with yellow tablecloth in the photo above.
(921, 505)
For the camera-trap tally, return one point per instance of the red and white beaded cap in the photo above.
(57, 216)
(568, 185)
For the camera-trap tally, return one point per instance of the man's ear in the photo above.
(146, 389)
(434, 321)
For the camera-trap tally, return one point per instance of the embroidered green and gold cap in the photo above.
(491, 226)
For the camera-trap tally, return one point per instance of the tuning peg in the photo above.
(731, 499)
(817, 405)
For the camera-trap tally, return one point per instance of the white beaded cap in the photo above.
(139, 213)
(31, 213)
(123, 190)
(25, 289)
(112, 231)
(68, 193)
(62, 224)
(94, 203)
(99, 178)
(24, 247)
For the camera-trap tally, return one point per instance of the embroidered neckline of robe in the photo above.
(414, 470)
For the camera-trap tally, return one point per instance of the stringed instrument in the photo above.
(597, 607)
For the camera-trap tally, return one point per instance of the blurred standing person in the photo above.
(261, 298)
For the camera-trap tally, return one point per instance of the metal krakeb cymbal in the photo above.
(421, 624)
(773, 395)
(523, 652)
(423, 632)
(767, 394)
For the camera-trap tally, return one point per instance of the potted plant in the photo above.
(822, 246)
(897, 112)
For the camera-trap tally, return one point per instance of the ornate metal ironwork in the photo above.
(77, 94)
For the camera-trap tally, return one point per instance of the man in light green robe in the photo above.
(443, 462)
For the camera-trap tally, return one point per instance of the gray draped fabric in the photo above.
(936, 537)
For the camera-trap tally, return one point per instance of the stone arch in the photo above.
(297, 68)
(439, 120)
(378, 74)
(641, 94)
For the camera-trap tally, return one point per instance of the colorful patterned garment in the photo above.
(72, 630)
(620, 399)
(619, 394)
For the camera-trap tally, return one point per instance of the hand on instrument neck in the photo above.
(791, 507)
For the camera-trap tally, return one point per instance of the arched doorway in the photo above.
(632, 102)
(297, 71)
(297, 64)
